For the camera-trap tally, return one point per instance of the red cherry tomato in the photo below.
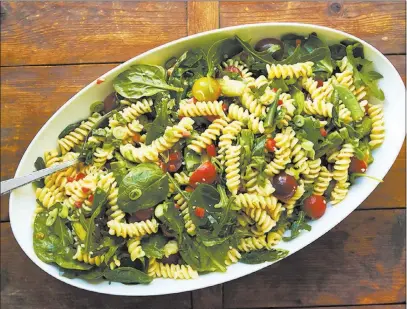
(233, 69)
(70, 179)
(357, 166)
(270, 145)
(275, 89)
(90, 198)
(280, 102)
(78, 204)
(225, 108)
(320, 83)
(323, 132)
(163, 166)
(200, 212)
(174, 161)
(211, 150)
(315, 206)
(189, 189)
(297, 42)
(85, 190)
(136, 137)
(174, 156)
(80, 176)
(205, 173)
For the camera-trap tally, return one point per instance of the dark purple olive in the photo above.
(109, 102)
(141, 215)
(285, 186)
(172, 259)
(271, 44)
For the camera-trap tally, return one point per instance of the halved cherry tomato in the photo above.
(70, 179)
(163, 166)
(136, 137)
(323, 132)
(275, 89)
(320, 83)
(78, 204)
(200, 212)
(212, 118)
(211, 150)
(297, 42)
(233, 69)
(206, 89)
(205, 173)
(80, 176)
(85, 190)
(270, 145)
(174, 156)
(225, 108)
(315, 206)
(173, 167)
(90, 198)
(174, 161)
(280, 102)
(189, 189)
(357, 166)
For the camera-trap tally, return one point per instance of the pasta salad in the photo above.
(212, 159)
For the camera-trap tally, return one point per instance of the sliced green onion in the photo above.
(298, 121)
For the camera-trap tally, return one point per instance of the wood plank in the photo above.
(24, 285)
(381, 23)
(202, 16)
(208, 298)
(395, 306)
(30, 95)
(361, 261)
(86, 32)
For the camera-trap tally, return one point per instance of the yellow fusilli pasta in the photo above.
(232, 159)
(201, 109)
(208, 136)
(139, 155)
(297, 70)
(173, 271)
(375, 112)
(134, 248)
(136, 229)
(322, 182)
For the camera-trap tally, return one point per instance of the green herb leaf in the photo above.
(149, 180)
(153, 246)
(160, 123)
(261, 256)
(297, 226)
(220, 51)
(170, 217)
(142, 80)
(70, 128)
(269, 121)
(127, 275)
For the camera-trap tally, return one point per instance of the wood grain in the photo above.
(86, 32)
(361, 261)
(202, 16)
(208, 298)
(381, 23)
(24, 285)
(30, 95)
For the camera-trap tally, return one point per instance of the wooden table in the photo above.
(49, 51)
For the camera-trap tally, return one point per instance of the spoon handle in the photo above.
(14, 183)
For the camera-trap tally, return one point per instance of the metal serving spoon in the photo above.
(14, 183)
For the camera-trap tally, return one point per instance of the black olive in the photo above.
(285, 186)
(141, 215)
(109, 102)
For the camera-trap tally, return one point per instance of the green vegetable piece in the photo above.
(261, 256)
(97, 107)
(192, 159)
(127, 275)
(350, 101)
(52, 215)
(298, 120)
(79, 230)
(231, 88)
(170, 216)
(299, 100)
(154, 245)
(70, 128)
(269, 122)
(160, 123)
(39, 164)
(365, 127)
(143, 187)
(142, 80)
(299, 222)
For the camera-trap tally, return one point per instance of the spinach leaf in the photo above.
(39, 164)
(99, 201)
(203, 258)
(65, 260)
(338, 51)
(170, 217)
(92, 274)
(220, 51)
(205, 196)
(261, 256)
(60, 229)
(160, 123)
(142, 80)
(298, 225)
(153, 246)
(143, 187)
(113, 244)
(312, 44)
(127, 275)
(119, 170)
(70, 128)
(350, 101)
(192, 159)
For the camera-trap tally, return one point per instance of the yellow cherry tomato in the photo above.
(206, 89)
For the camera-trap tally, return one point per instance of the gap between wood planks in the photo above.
(354, 306)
